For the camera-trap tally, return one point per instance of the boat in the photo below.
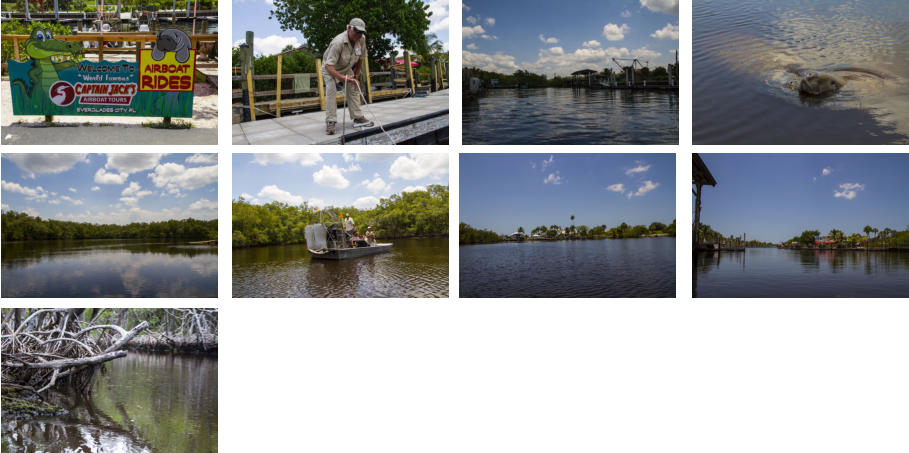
(332, 243)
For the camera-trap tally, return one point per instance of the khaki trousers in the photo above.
(331, 91)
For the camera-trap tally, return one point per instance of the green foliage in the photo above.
(470, 235)
(410, 214)
(19, 226)
(14, 27)
(404, 21)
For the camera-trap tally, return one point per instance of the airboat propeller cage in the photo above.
(316, 237)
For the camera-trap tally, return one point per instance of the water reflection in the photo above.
(142, 403)
(746, 52)
(108, 269)
(413, 268)
(572, 116)
(801, 273)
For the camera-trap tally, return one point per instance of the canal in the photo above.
(413, 268)
(642, 267)
(771, 272)
(571, 116)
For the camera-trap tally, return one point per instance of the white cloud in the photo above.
(614, 32)
(306, 160)
(490, 21)
(129, 201)
(439, 19)
(53, 201)
(639, 169)
(131, 214)
(72, 190)
(4, 207)
(547, 163)
(204, 204)
(471, 46)
(33, 163)
(317, 203)
(413, 189)
(376, 185)
(646, 54)
(472, 19)
(37, 193)
(662, 6)
(556, 51)
(366, 202)
(626, 14)
(174, 177)
(348, 157)
(331, 177)
(553, 178)
(619, 188)
(134, 190)
(71, 200)
(273, 192)
(273, 44)
(498, 62)
(95, 188)
(647, 187)
(103, 177)
(550, 40)
(592, 43)
(132, 162)
(472, 32)
(417, 166)
(668, 32)
(826, 171)
(207, 158)
(850, 190)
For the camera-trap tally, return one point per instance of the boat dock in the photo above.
(411, 120)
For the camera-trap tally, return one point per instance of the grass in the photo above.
(174, 124)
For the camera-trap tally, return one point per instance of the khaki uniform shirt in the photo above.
(344, 55)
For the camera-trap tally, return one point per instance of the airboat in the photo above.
(333, 243)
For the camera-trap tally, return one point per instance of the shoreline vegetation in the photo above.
(873, 239)
(63, 349)
(415, 214)
(470, 235)
(19, 226)
(527, 79)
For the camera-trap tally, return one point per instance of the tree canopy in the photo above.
(404, 21)
(19, 226)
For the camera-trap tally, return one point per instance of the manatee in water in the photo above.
(172, 40)
(820, 84)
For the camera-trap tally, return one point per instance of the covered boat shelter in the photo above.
(578, 77)
(700, 176)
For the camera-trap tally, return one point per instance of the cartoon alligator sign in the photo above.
(154, 87)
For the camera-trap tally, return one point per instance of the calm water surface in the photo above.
(571, 116)
(143, 403)
(770, 272)
(413, 268)
(597, 268)
(109, 268)
(745, 52)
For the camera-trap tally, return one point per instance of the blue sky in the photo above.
(773, 197)
(111, 188)
(556, 38)
(501, 192)
(358, 180)
(252, 15)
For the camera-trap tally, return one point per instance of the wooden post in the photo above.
(410, 80)
(101, 48)
(278, 106)
(16, 48)
(394, 60)
(697, 215)
(139, 46)
(252, 90)
(433, 78)
(321, 84)
(368, 83)
(244, 69)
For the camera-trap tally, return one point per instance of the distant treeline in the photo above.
(873, 237)
(532, 80)
(19, 226)
(419, 213)
(708, 234)
(471, 235)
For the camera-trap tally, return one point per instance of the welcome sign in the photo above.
(160, 84)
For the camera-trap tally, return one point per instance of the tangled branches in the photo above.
(49, 347)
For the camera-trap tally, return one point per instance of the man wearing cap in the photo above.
(342, 62)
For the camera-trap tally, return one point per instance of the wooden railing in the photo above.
(100, 38)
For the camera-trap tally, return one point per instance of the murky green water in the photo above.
(413, 268)
(109, 268)
(146, 403)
